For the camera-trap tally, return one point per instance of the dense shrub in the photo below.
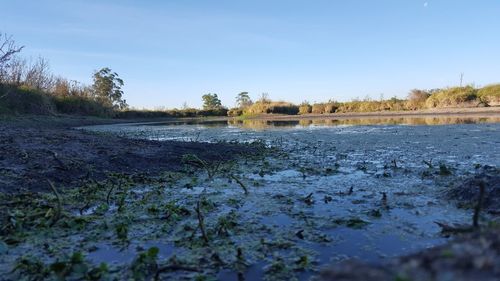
(318, 108)
(173, 113)
(235, 112)
(23, 100)
(82, 106)
(268, 107)
(305, 108)
(416, 99)
(453, 97)
(331, 107)
(490, 95)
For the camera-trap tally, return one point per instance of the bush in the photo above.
(318, 108)
(235, 112)
(268, 107)
(24, 100)
(174, 113)
(453, 97)
(416, 99)
(305, 108)
(82, 106)
(490, 95)
(221, 111)
(331, 107)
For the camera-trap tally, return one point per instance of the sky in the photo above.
(172, 52)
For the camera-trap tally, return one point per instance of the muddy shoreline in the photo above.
(35, 151)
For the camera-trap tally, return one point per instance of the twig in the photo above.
(201, 223)
(240, 183)
(111, 190)
(57, 214)
(477, 209)
(428, 163)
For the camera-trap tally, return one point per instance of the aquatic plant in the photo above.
(240, 183)
(201, 223)
(193, 160)
(444, 170)
(145, 265)
(352, 222)
(121, 230)
(72, 267)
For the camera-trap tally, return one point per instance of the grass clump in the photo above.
(454, 97)
(271, 107)
(490, 94)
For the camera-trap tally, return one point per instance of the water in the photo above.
(339, 189)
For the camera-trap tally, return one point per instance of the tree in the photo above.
(418, 95)
(8, 50)
(264, 98)
(38, 75)
(211, 101)
(107, 88)
(243, 100)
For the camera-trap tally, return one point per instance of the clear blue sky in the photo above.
(170, 52)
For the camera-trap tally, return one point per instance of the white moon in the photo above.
(426, 4)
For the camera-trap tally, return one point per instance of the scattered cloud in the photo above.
(426, 4)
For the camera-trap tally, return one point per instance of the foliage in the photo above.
(264, 106)
(234, 112)
(23, 100)
(490, 94)
(211, 102)
(243, 100)
(416, 99)
(82, 106)
(72, 267)
(305, 108)
(8, 50)
(145, 264)
(453, 97)
(108, 88)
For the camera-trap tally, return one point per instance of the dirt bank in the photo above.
(37, 149)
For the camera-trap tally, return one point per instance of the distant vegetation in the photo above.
(454, 97)
(28, 87)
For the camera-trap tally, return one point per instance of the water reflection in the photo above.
(262, 124)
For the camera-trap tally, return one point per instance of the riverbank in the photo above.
(37, 150)
(442, 112)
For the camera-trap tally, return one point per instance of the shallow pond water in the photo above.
(363, 188)
(327, 191)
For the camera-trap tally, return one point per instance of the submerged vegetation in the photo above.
(283, 211)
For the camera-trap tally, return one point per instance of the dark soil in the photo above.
(470, 257)
(467, 191)
(35, 150)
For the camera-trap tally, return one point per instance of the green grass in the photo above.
(265, 107)
(24, 100)
(453, 97)
(490, 94)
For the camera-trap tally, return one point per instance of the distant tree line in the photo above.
(28, 86)
(467, 96)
